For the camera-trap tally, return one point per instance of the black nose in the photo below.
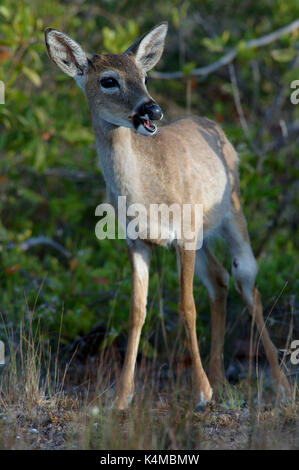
(153, 111)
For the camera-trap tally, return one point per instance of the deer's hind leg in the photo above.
(244, 270)
(216, 280)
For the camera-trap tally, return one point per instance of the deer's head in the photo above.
(115, 85)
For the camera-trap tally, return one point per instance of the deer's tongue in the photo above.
(148, 125)
(144, 125)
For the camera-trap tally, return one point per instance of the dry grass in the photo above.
(42, 409)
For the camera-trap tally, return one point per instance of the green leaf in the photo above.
(77, 135)
(187, 69)
(4, 11)
(30, 196)
(225, 36)
(32, 75)
(283, 55)
(213, 45)
(40, 156)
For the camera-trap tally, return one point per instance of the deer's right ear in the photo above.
(66, 53)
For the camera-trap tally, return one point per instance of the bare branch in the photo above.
(230, 55)
(36, 241)
(240, 111)
(277, 102)
(274, 223)
(68, 174)
(283, 140)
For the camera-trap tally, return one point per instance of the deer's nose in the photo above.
(153, 111)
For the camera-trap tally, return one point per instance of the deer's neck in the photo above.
(117, 160)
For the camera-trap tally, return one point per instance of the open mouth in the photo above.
(144, 125)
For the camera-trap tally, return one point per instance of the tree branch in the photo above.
(230, 55)
(41, 240)
(274, 223)
(240, 111)
(69, 174)
(283, 140)
(277, 102)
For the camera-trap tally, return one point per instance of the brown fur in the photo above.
(189, 161)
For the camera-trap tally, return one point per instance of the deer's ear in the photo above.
(66, 53)
(148, 49)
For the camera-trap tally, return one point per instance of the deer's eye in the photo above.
(109, 82)
(146, 79)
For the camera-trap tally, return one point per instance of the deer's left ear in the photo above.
(149, 48)
(66, 53)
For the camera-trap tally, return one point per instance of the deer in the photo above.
(188, 161)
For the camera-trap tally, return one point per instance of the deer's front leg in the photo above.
(202, 388)
(139, 254)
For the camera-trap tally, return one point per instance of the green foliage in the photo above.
(120, 38)
(216, 44)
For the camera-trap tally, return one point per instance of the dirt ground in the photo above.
(162, 416)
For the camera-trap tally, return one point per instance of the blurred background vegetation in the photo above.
(52, 267)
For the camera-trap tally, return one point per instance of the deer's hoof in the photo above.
(283, 388)
(204, 399)
(122, 403)
(200, 407)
